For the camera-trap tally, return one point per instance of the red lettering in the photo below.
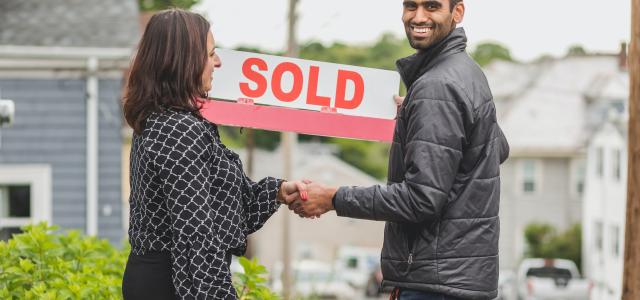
(312, 89)
(341, 89)
(249, 73)
(276, 83)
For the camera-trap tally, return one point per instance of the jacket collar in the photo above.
(414, 66)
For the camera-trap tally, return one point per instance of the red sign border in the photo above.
(297, 120)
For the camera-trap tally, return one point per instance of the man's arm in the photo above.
(435, 137)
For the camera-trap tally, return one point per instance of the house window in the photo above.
(15, 209)
(615, 241)
(25, 197)
(617, 164)
(598, 235)
(529, 174)
(580, 174)
(600, 161)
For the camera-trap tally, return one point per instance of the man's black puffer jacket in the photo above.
(442, 199)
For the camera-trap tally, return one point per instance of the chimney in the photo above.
(623, 59)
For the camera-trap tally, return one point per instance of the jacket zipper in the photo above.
(409, 261)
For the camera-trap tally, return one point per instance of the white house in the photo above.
(604, 210)
(547, 110)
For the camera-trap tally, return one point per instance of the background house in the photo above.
(63, 63)
(548, 110)
(605, 202)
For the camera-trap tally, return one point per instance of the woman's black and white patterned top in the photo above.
(190, 197)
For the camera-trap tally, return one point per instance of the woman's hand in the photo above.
(290, 191)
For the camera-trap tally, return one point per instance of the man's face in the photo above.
(429, 21)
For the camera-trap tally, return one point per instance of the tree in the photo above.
(152, 5)
(576, 50)
(487, 52)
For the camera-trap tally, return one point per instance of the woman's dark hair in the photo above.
(167, 69)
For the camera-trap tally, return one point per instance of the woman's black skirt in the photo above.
(148, 277)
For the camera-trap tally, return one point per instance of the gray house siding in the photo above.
(50, 128)
(554, 203)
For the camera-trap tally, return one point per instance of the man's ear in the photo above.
(458, 12)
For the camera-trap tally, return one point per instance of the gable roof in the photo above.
(310, 161)
(543, 108)
(69, 23)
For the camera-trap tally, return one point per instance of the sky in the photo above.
(528, 28)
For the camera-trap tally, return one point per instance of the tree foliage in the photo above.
(544, 241)
(576, 50)
(485, 53)
(153, 5)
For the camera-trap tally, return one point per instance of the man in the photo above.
(441, 202)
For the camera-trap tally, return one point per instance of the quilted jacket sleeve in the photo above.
(435, 135)
(183, 161)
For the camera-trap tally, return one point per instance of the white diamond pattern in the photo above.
(190, 197)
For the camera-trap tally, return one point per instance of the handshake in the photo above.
(306, 198)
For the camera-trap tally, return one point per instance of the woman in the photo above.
(192, 206)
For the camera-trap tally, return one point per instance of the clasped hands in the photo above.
(307, 199)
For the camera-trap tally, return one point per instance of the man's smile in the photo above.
(421, 31)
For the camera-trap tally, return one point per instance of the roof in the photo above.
(548, 107)
(311, 161)
(69, 23)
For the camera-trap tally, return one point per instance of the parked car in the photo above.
(507, 287)
(315, 279)
(552, 279)
(373, 287)
(354, 264)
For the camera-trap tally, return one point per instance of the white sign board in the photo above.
(303, 84)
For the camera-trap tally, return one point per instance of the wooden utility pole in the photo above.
(289, 144)
(631, 285)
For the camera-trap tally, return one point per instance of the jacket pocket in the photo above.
(396, 243)
(425, 241)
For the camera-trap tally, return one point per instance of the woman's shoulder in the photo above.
(172, 127)
(170, 120)
(172, 117)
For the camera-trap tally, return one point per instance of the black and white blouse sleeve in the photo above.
(260, 201)
(198, 261)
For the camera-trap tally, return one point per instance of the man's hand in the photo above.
(290, 191)
(398, 100)
(318, 202)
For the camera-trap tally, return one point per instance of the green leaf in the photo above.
(26, 265)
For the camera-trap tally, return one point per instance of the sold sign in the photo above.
(354, 95)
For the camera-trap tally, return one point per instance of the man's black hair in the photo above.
(453, 3)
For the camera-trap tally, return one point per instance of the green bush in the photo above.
(39, 264)
(251, 284)
(544, 241)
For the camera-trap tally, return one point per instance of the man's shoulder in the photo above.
(456, 78)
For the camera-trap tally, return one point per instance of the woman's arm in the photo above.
(264, 197)
(261, 201)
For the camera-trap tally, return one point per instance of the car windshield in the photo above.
(549, 272)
